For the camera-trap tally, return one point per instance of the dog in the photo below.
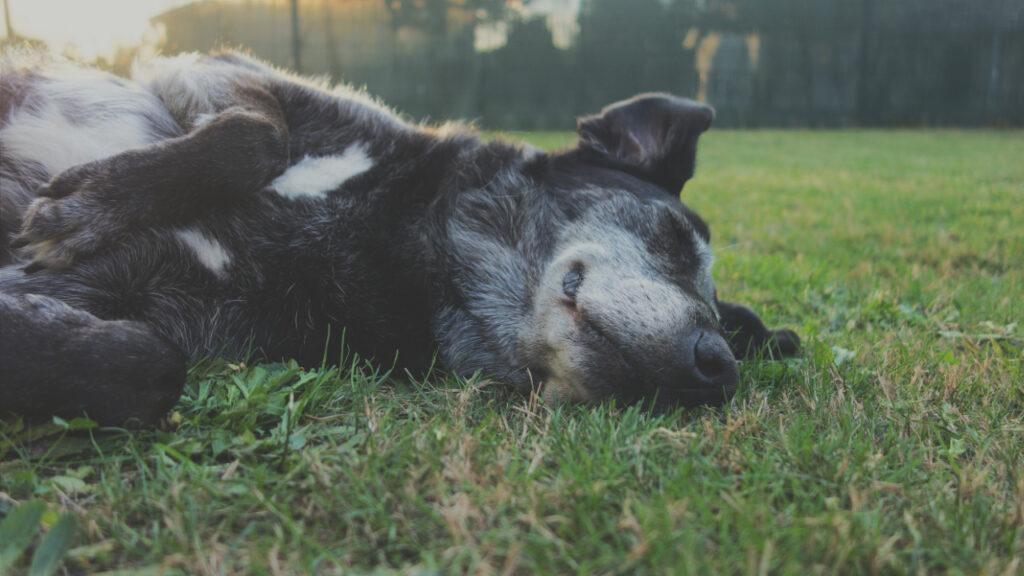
(213, 203)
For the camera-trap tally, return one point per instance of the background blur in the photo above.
(538, 64)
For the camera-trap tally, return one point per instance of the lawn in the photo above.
(893, 445)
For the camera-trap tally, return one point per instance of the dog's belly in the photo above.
(57, 122)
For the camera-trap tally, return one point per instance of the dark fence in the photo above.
(540, 64)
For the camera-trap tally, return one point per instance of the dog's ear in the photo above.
(652, 135)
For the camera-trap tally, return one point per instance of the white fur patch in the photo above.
(203, 119)
(207, 250)
(316, 176)
(47, 136)
(57, 134)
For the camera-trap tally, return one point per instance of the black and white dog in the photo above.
(213, 202)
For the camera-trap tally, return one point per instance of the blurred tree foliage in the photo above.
(538, 65)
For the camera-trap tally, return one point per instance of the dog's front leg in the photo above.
(749, 337)
(235, 152)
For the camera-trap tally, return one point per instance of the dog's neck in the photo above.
(436, 187)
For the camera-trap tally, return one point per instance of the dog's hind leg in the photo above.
(236, 141)
(56, 360)
(55, 115)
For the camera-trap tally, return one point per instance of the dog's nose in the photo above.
(710, 364)
(699, 369)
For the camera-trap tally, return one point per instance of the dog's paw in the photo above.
(56, 232)
(785, 343)
(68, 221)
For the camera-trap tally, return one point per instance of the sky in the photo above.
(92, 27)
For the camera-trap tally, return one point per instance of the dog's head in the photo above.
(580, 274)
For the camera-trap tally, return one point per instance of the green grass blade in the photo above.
(17, 530)
(55, 544)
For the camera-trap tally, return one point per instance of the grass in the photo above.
(893, 445)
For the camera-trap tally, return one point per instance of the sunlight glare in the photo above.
(86, 28)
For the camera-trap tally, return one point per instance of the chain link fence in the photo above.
(539, 65)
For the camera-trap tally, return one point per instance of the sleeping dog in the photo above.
(213, 203)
